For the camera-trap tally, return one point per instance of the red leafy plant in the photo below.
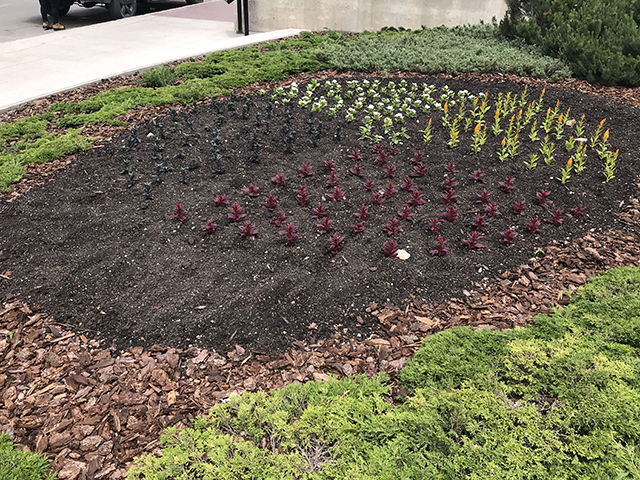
(405, 213)
(477, 175)
(333, 180)
(355, 156)
(440, 249)
(270, 202)
(450, 214)
(417, 158)
(324, 226)
(279, 180)
(363, 213)
(449, 198)
(542, 198)
(407, 186)
(419, 170)
(302, 195)
(556, 218)
(390, 248)
(492, 210)
(319, 211)
(577, 211)
(305, 171)
(518, 207)
(368, 185)
(336, 242)
(508, 236)
(329, 165)
(248, 230)
(472, 240)
(210, 227)
(390, 172)
(382, 158)
(181, 213)
(449, 183)
(234, 213)
(390, 191)
(393, 227)
(290, 233)
(377, 198)
(434, 225)
(377, 148)
(416, 198)
(534, 226)
(221, 200)
(356, 170)
(280, 220)
(252, 190)
(337, 196)
(451, 168)
(508, 185)
(358, 228)
(479, 223)
(483, 197)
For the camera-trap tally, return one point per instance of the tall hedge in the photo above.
(599, 39)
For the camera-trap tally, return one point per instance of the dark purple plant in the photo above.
(319, 211)
(368, 185)
(252, 190)
(338, 195)
(393, 227)
(508, 185)
(392, 151)
(451, 168)
(377, 148)
(302, 195)
(484, 196)
(407, 186)
(450, 214)
(377, 198)
(221, 201)
(434, 225)
(356, 170)
(336, 242)
(508, 236)
(280, 220)
(355, 156)
(270, 203)
(357, 228)
(333, 180)
(518, 207)
(209, 226)
(305, 171)
(440, 249)
(382, 158)
(390, 172)
(363, 213)
(324, 226)
(390, 191)
(417, 158)
(534, 226)
(419, 170)
(577, 211)
(479, 223)
(449, 183)
(405, 213)
(542, 198)
(234, 213)
(477, 175)
(416, 198)
(449, 198)
(248, 230)
(472, 240)
(556, 218)
(279, 180)
(492, 210)
(291, 234)
(329, 165)
(390, 248)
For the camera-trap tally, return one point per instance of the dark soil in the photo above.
(108, 262)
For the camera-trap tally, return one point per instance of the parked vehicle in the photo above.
(117, 8)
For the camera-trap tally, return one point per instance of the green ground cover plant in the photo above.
(560, 399)
(18, 465)
(599, 39)
(460, 50)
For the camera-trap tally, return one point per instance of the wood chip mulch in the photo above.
(92, 409)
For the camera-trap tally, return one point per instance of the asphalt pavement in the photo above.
(52, 62)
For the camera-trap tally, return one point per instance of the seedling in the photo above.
(325, 226)
(248, 230)
(440, 249)
(279, 180)
(596, 136)
(542, 198)
(477, 175)
(393, 227)
(407, 186)
(534, 226)
(220, 200)
(319, 211)
(449, 183)
(336, 242)
(556, 218)
(419, 170)
(472, 240)
(357, 228)
(280, 220)
(405, 213)
(451, 168)
(610, 165)
(235, 214)
(416, 198)
(270, 203)
(210, 227)
(305, 171)
(329, 165)
(518, 207)
(450, 214)
(565, 173)
(337, 196)
(480, 223)
(508, 236)
(390, 248)
(252, 190)
(426, 133)
(483, 197)
(356, 170)
(532, 162)
(492, 210)
(577, 211)
(180, 213)
(449, 198)
(390, 191)
(302, 195)
(368, 185)
(434, 225)
(333, 180)
(377, 198)
(291, 234)
(508, 185)
(355, 156)
(533, 135)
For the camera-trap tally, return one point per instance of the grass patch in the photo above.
(161, 76)
(19, 465)
(560, 399)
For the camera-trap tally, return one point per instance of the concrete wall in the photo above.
(360, 15)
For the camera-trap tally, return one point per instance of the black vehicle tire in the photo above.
(63, 10)
(122, 8)
(192, 2)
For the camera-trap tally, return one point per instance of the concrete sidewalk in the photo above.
(36, 67)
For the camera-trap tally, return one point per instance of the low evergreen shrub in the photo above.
(599, 39)
(19, 465)
(161, 76)
(560, 399)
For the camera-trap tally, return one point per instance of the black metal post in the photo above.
(245, 7)
(239, 2)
